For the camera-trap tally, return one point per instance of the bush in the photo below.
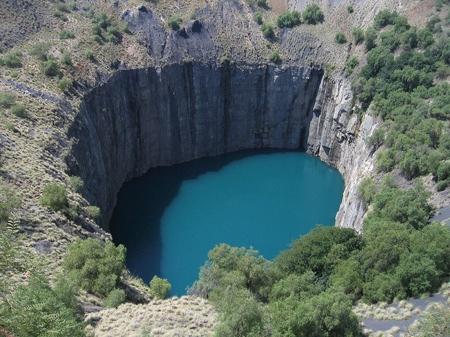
(358, 35)
(367, 190)
(175, 22)
(350, 9)
(89, 54)
(36, 309)
(50, 68)
(12, 60)
(6, 100)
(93, 212)
(65, 84)
(64, 35)
(268, 30)
(351, 64)
(8, 201)
(384, 18)
(40, 50)
(313, 14)
(55, 197)
(66, 59)
(115, 298)
(340, 38)
(371, 37)
(95, 266)
(275, 57)
(159, 288)
(19, 110)
(289, 19)
(76, 183)
(376, 139)
(259, 18)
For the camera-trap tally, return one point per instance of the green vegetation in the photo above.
(55, 197)
(313, 15)
(12, 60)
(66, 59)
(175, 22)
(358, 35)
(434, 323)
(65, 84)
(350, 9)
(275, 57)
(259, 18)
(76, 183)
(40, 50)
(159, 287)
(64, 35)
(115, 298)
(316, 280)
(404, 92)
(95, 266)
(51, 68)
(340, 38)
(93, 212)
(6, 100)
(351, 64)
(289, 19)
(268, 30)
(105, 29)
(8, 202)
(89, 54)
(37, 309)
(19, 110)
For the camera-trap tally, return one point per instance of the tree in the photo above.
(38, 310)
(371, 37)
(159, 288)
(313, 14)
(384, 18)
(55, 197)
(417, 274)
(95, 266)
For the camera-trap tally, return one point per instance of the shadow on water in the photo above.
(133, 225)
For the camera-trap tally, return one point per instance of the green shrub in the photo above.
(40, 50)
(50, 68)
(12, 60)
(358, 35)
(175, 22)
(371, 37)
(268, 30)
(350, 9)
(262, 3)
(115, 298)
(76, 183)
(19, 110)
(259, 18)
(313, 14)
(289, 19)
(367, 190)
(6, 100)
(95, 266)
(275, 57)
(376, 139)
(384, 18)
(351, 64)
(8, 201)
(36, 309)
(340, 38)
(89, 54)
(60, 15)
(93, 212)
(67, 59)
(240, 315)
(65, 84)
(424, 38)
(159, 288)
(55, 197)
(64, 35)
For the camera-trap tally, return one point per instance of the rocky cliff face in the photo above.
(140, 119)
(144, 118)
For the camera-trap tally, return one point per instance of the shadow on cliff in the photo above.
(136, 220)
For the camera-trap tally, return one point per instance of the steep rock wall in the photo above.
(144, 118)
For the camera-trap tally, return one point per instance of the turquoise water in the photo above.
(171, 217)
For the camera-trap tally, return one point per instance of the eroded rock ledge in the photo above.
(143, 118)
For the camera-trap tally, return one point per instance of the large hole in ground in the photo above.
(171, 217)
(158, 117)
